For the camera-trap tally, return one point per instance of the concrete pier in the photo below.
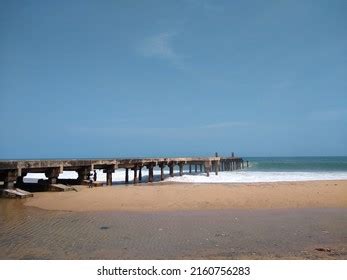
(12, 172)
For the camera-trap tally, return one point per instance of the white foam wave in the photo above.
(257, 176)
(222, 177)
(117, 176)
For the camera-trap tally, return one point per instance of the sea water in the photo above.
(261, 169)
(275, 169)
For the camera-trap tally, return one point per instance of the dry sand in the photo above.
(176, 196)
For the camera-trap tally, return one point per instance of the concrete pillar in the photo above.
(108, 176)
(242, 164)
(150, 173)
(19, 180)
(181, 168)
(52, 174)
(200, 167)
(216, 166)
(171, 166)
(83, 174)
(140, 173)
(196, 168)
(9, 177)
(135, 175)
(190, 168)
(127, 175)
(161, 172)
(207, 168)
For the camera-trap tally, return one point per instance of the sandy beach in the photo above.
(178, 196)
(287, 220)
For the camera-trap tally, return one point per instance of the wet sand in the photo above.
(179, 221)
(175, 196)
(31, 233)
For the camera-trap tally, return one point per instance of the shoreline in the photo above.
(172, 196)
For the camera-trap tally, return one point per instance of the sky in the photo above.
(84, 79)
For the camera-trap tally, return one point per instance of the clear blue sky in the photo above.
(185, 77)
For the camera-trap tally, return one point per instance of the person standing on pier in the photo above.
(94, 177)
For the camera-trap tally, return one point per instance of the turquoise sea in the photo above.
(298, 164)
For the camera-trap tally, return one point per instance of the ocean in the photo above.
(276, 169)
(261, 169)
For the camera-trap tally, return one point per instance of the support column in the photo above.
(242, 164)
(108, 176)
(140, 173)
(83, 174)
(19, 180)
(161, 172)
(207, 168)
(150, 173)
(181, 168)
(126, 175)
(216, 167)
(201, 168)
(190, 168)
(135, 174)
(247, 163)
(52, 174)
(9, 177)
(171, 166)
(196, 168)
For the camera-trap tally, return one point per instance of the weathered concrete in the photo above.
(12, 172)
(15, 193)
